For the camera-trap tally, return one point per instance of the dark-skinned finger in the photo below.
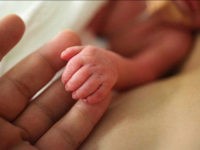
(31, 74)
(44, 111)
(11, 31)
(74, 127)
(9, 135)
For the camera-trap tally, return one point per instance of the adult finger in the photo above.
(11, 31)
(44, 111)
(31, 74)
(74, 127)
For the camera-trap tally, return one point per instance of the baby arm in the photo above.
(165, 52)
(90, 72)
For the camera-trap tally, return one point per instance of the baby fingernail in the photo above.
(62, 55)
(84, 100)
(66, 87)
(74, 96)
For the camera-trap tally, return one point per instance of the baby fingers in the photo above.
(99, 95)
(71, 52)
(72, 66)
(78, 78)
(88, 88)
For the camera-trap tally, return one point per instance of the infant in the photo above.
(92, 72)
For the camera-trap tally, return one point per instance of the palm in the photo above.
(36, 124)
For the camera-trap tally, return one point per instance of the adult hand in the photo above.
(51, 120)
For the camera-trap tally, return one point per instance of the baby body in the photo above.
(92, 73)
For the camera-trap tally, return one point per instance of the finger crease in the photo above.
(25, 134)
(47, 61)
(22, 88)
(69, 138)
(45, 110)
(84, 116)
(96, 90)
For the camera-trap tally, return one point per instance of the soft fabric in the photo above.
(163, 115)
(44, 19)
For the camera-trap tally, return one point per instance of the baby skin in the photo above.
(92, 73)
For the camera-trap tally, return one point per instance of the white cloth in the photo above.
(44, 19)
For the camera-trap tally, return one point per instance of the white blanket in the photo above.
(44, 19)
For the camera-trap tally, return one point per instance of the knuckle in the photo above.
(81, 94)
(89, 69)
(96, 96)
(90, 47)
(45, 110)
(70, 64)
(91, 50)
(75, 61)
(93, 99)
(68, 137)
(83, 114)
(99, 79)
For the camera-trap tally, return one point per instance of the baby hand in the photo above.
(90, 72)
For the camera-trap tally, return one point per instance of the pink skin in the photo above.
(90, 73)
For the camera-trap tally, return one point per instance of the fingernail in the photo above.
(66, 87)
(74, 95)
(64, 53)
(84, 100)
(63, 80)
